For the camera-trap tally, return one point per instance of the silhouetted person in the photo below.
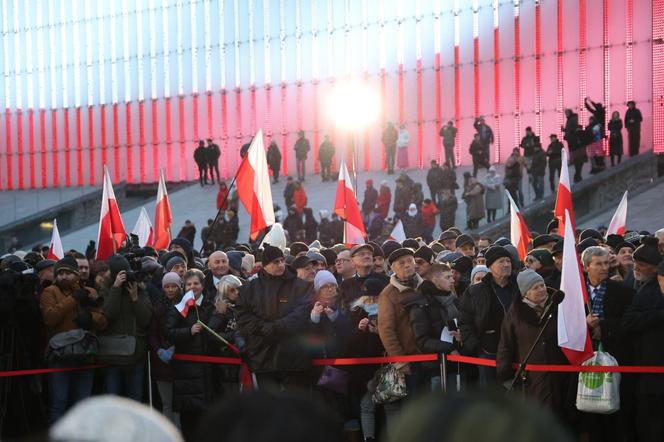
(213, 154)
(633, 121)
(200, 157)
(449, 135)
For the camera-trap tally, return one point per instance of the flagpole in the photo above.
(216, 218)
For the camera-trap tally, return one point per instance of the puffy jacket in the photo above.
(272, 313)
(60, 310)
(394, 327)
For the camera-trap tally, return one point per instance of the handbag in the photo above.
(117, 349)
(390, 385)
(73, 347)
(334, 379)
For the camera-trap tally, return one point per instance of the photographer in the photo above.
(66, 306)
(129, 311)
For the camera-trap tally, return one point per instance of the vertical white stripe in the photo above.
(418, 30)
(252, 60)
(457, 33)
(193, 29)
(101, 42)
(77, 54)
(298, 40)
(382, 51)
(165, 43)
(348, 49)
(63, 54)
(125, 52)
(282, 40)
(476, 18)
(28, 57)
(140, 63)
(153, 49)
(222, 42)
(315, 61)
(18, 73)
(236, 41)
(178, 48)
(89, 64)
(330, 39)
(400, 32)
(208, 46)
(436, 28)
(41, 75)
(365, 36)
(51, 37)
(5, 55)
(266, 41)
(114, 60)
(496, 14)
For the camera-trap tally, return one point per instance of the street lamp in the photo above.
(353, 106)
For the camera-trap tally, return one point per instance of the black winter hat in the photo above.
(330, 256)
(377, 249)
(614, 241)
(186, 245)
(116, 264)
(462, 264)
(586, 243)
(398, 253)
(648, 251)
(543, 256)
(298, 247)
(553, 224)
(462, 240)
(44, 264)
(270, 253)
(411, 243)
(390, 246)
(67, 263)
(447, 234)
(591, 233)
(494, 253)
(543, 239)
(425, 253)
(372, 287)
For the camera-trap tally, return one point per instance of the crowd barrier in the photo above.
(650, 369)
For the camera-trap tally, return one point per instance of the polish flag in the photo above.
(253, 186)
(187, 301)
(55, 249)
(143, 229)
(619, 220)
(564, 197)
(573, 336)
(163, 218)
(519, 233)
(345, 205)
(398, 233)
(111, 229)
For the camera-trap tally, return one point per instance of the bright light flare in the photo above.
(353, 105)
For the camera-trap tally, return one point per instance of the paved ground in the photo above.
(198, 204)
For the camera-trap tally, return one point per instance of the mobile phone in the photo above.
(452, 325)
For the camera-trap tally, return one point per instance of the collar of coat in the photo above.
(402, 288)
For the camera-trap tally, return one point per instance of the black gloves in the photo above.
(84, 320)
(81, 295)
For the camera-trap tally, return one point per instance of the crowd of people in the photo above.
(282, 308)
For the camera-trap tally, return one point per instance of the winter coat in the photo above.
(351, 288)
(326, 152)
(538, 164)
(429, 315)
(493, 199)
(310, 228)
(476, 150)
(394, 327)
(193, 383)
(429, 212)
(571, 131)
(231, 229)
(272, 314)
(417, 195)
(615, 137)
(435, 178)
(633, 119)
(481, 315)
(412, 225)
(289, 191)
(383, 201)
(448, 208)
(274, 157)
(60, 310)
(402, 198)
(293, 224)
(486, 134)
(127, 317)
(403, 138)
(200, 156)
(615, 340)
(475, 202)
(375, 226)
(518, 333)
(222, 200)
(302, 148)
(325, 233)
(330, 338)
(300, 199)
(528, 145)
(370, 199)
(157, 338)
(448, 134)
(213, 153)
(644, 319)
(554, 152)
(389, 138)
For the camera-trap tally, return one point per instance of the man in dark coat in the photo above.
(448, 179)
(609, 300)
(645, 320)
(362, 259)
(218, 267)
(486, 137)
(449, 134)
(213, 154)
(633, 119)
(528, 143)
(483, 307)
(434, 180)
(538, 169)
(370, 199)
(272, 313)
(554, 155)
(576, 150)
(274, 161)
(389, 139)
(325, 154)
(476, 151)
(201, 159)
(301, 148)
(289, 191)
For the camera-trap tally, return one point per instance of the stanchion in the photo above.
(150, 380)
(443, 372)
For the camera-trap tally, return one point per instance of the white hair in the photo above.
(587, 255)
(225, 283)
(659, 233)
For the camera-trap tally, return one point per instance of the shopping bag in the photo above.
(599, 392)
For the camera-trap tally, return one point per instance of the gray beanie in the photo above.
(478, 269)
(527, 279)
(323, 277)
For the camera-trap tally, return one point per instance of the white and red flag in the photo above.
(398, 233)
(187, 301)
(345, 205)
(564, 197)
(111, 229)
(619, 220)
(519, 233)
(573, 335)
(163, 218)
(143, 229)
(253, 186)
(55, 249)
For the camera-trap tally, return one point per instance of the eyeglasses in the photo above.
(340, 260)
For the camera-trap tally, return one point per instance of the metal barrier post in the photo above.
(443, 372)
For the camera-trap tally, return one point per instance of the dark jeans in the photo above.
(538, 186)
(617, 157)
(275, 175)
(578, 167)
(202, 174)
(487, 374)
(214, 167)
(125, 381)
(449, 156)
(553, 167)
(67, 388)
(389, 157)
(301, 168)
(514, 188)
(634, 139)
(490, 215)
(325, 171)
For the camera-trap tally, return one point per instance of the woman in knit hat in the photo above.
(518, 333)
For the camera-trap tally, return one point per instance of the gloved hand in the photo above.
(81, 295)
(84, 320)
(166, 354)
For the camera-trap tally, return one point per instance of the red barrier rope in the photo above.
(650, 369)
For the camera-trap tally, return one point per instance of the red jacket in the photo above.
(383, 203)
(300, 199)
(429, 212)
(221, 196)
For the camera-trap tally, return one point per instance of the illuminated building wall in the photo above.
(135, 84)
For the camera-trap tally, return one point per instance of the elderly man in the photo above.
(483, 307)
(272, 313)
(394, 327)
(304, 267)
(660, 238)
(609, 301)
(362, 261)
(344, 266)
(218, 267)
(644, 319)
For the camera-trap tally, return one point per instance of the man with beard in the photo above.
(65, 306)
